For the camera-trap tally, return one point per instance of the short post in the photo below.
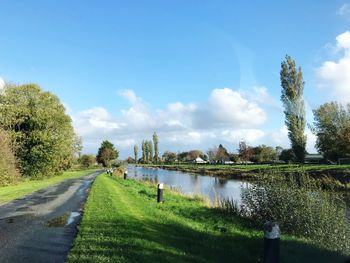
(271, 242)
(125, 174)
(160, 193)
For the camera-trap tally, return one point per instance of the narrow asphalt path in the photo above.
(41, 226)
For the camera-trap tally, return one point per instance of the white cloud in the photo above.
(179, 125)
(229, 108)
(334, 76)
(344, 10)
(2, 83)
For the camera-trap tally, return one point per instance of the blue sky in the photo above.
(199, 73)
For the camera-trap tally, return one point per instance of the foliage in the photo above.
(222, 154)
(287, 155)
(9, 173)
(130, 160)
(150, 152)
(106, 153)
(332, 127)
(301, 208)
(156, 147)
(264, 153)
(292, 97)
(169, 157)
(136, 153)
(41, 132)
(245, 152)
(87, 160)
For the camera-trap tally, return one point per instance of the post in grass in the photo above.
(271, 242)
(160, 189)
(125, 174)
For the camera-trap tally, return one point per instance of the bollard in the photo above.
(160, 193)
(271, 242)
(125, 174)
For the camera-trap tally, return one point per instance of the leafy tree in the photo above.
(292, 97)
(245, 152)
(264, 153)
(288, 156)
(182, 156)
(156, 145)
(106, 153)
(332, 127)
(136, 150)
(41, 132)
(87, 160)
(234, 158)
(8, 164)
(222, 154)
(169, 157)
(193, 154)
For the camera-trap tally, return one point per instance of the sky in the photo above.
(199, 73)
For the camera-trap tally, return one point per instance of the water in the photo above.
(211, 187)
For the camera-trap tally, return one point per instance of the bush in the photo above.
(300, 207)
(87, 160)
(8, 165)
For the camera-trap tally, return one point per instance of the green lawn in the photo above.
(123, 223)
(8, 193)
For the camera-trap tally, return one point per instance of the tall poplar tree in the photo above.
(150, 151)
(156, 149)
(143, 151)
(136, 152)
(292, 97)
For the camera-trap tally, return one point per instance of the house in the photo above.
(199, 160)
(314, 158)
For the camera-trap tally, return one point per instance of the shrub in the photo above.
(8, 165)
(300, 207)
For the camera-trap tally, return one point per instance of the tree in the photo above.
(332, 127)
(212, 154)
(41, 132)
(193, 154)
(182, 156)
(150, 151)
(222, 154)
(8, 164)
(245, 152)
(136, 151)
(264, 153)
(130, 160)
(288, 156)
(143, 151)
(106, 153)
(169, 157)
(87, 160)
(292, 97)
(156, 149)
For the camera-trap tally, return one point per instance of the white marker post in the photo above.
(160, 193)
(125, 175)
(271, 242)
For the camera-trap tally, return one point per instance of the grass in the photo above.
(123, 223)
(8, 193)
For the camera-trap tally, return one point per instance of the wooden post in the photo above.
(160, 193)
(271, 242)
(125, 174)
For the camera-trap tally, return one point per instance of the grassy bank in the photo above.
(8, 193)
(337, 176)
(131, 227)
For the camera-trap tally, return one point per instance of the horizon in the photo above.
(198, 74)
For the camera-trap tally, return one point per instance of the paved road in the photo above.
(41, 227)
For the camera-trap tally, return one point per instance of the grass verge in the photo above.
(123, 223)
(8, 193)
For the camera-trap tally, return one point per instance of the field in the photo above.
(8, 193)
(122, 222)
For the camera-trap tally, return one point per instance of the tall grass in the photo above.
(300, 206)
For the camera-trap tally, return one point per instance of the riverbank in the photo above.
(335, 176)
(131, 226)
(11, 192)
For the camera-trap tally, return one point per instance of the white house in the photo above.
(199, 160)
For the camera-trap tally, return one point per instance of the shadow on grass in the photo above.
(157, 240)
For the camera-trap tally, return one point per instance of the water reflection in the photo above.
(213, 188)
